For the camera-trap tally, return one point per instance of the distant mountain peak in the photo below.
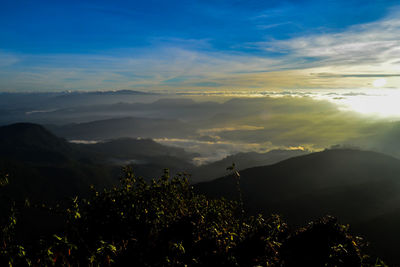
(32, 139)
(18, 131)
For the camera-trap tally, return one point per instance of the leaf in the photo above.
(58, 238)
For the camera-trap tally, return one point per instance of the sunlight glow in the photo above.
(379, 82)
(383, 103)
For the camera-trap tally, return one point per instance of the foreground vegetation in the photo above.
(164, 223)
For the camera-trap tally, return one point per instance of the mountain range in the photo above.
(35, 157)
(359, 187)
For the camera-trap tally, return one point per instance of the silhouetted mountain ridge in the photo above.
(44, 166)
(356, 186)
(122, 127)
(131, 147)
(32, 142)
(242, 160)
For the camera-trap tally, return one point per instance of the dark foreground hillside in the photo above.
(164, 223)
(361, 188)
(45, 167)
(358, 187)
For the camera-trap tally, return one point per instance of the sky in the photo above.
(174, 46)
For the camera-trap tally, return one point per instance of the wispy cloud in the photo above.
(346, 59)
(370, 75)
(231, 129)
(374, 43)
(7, 59)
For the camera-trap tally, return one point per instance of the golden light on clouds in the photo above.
(382, 102)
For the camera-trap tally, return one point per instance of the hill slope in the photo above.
(353, 185)
(242, 160)
(42, 166)
(32, 142)
(45, 167)
(122, 127)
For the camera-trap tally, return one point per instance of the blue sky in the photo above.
(196, 45)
